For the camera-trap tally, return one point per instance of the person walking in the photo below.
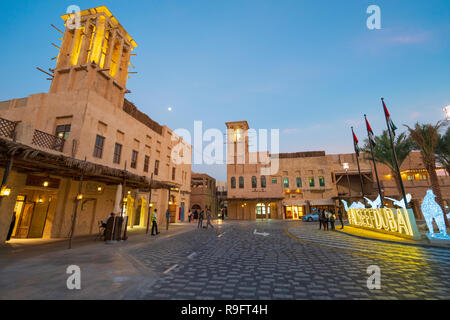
(208, 219)
(325, 220)
(154, 224)
(200, 220)
(167, 219)
(332, 219)
(320, 219)
(340, 218)
(190, 216)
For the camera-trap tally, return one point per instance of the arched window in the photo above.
(241, 182)
(254, 182)
(263, 181)
(233, 183)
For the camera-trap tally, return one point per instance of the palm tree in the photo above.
(426, 137)
(443, 150)
(383, 152)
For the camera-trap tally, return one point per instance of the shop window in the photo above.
(241, 182)
(233, 183)
(98, 147)
(274, 181)
(263, 181)
(299, 182)
(254, 182)
(322, 181)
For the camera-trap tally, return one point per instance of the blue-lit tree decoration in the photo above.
(432, 210)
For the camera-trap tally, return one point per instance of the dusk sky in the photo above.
(308, 68)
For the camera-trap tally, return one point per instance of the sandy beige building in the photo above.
(85, 128)
(307, 181)
(203, 193)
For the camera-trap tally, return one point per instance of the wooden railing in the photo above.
(48, 141)
(7, 128)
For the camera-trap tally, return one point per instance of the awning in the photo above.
(31, 160)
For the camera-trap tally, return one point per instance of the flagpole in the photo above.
(374, 165)
(359, 170)
(399, 176)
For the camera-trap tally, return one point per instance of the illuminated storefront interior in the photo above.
(294, 212)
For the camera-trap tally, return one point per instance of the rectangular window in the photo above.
(156, 167)
(146, 162)
(173, 173)
(134, 157)
(286, 182)
(299, 182)
(322, 181)
(274, 181)
(117, 153)
(98, 148)
(311, 182)
(63, 131)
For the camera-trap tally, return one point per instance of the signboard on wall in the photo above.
(398, 222)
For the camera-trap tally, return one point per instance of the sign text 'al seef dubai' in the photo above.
(400, 222)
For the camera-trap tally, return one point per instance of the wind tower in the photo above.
(94, 54)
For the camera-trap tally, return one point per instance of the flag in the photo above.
(355, 144)
(389, 120)
(370, 133)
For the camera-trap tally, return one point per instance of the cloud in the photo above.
(290, 130)
(408, 38)
(415, 115)
(354, 123)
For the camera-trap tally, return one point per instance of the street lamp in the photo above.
(447, 112)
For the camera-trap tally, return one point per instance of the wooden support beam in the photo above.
(51, 75)
(57, 29)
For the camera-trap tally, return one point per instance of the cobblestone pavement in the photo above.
(294, 261)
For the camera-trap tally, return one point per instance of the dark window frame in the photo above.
(254, 182)
(65, 130)
(241, 182)
(98, 147)
(263, 182)
(322, 181)
(233, 183)
(117, 153)
(146, 163)
(156, 171)
(134, 159)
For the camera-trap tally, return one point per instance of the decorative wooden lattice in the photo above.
(7, 128)
(48, 141)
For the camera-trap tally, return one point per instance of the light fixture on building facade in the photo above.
(5, 192)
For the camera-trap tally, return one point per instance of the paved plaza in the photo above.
(235, 260)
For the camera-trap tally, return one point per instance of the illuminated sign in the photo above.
(399, 222)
